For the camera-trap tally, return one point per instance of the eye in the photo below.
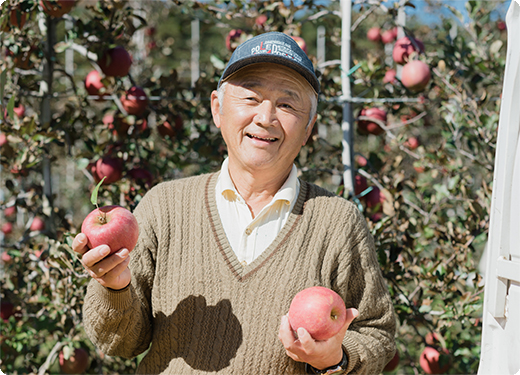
(287, 106)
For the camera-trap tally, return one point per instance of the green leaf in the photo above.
(3, 78)
(93, 197)
(10, 107)
(217, 63)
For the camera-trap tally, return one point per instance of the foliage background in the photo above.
(430, 230)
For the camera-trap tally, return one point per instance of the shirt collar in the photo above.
(287, 192)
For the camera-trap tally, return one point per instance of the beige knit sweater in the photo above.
(197, 309)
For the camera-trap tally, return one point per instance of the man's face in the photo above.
(264, 117)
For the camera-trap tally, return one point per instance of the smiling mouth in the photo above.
(262, 139)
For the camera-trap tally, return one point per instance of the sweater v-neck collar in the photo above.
(239, 271)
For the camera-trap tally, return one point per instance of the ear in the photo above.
(215, 108)
(308, 131)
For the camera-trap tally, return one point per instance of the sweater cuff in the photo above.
(351, 348)
(110, 298)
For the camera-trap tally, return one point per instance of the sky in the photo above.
(460, 5)
(422, 12)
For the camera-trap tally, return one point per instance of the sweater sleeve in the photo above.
(369, 341)
(119, 323)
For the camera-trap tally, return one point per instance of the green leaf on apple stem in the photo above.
(93, 197)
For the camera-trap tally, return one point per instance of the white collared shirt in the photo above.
(249, 237)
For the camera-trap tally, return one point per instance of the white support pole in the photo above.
(320, 45)
(49, 26)
(501, 313)
(195, 51)
(347, 125)
(401, 22)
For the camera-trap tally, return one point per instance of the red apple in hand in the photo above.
(321, 311)
(114, 226)
(77, 363)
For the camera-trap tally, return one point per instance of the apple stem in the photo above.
(102, 218)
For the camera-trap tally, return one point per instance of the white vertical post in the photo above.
(320, 55)
(501, 315)
(69, 53)
(46, 114)
(195, 51)
(347, 125)
(401, 22)
(320, 45)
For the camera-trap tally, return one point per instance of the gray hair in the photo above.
(314, 101)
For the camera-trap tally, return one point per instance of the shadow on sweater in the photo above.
(206, 337)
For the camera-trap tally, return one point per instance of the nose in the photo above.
(265, 114)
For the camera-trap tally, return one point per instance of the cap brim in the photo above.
(255, 59)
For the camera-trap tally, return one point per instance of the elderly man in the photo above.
(220, 256)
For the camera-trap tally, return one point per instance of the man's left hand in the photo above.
(318, 354)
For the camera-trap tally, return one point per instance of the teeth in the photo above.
(263, 139)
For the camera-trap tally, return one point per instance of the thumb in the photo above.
(352, 314)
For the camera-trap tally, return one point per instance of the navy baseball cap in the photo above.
(272, 47)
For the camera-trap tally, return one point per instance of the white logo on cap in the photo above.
(276, 47)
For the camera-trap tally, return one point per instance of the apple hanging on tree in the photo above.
(433, 362)
(93, 83)
(388, 36)
(320, 310)
(108, 167)
(57, 8)
(374, 34)
(233, 39)
(404, 47)
(301, 43)
(115, 62)
(394, 362)
(389, 77)
(16, 19)
(38, 224)
(134, 101)
(371, 127)
(415, 75)
(77, 363)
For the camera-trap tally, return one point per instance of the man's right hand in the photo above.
(110, 271)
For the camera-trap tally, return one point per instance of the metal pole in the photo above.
(347, 127)
(195, 51)
(320, 45)
(46, 115)
(401, 22)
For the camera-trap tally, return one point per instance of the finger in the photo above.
(95, 255)
(306, 339)
(285, 334)
(108, 264)
(79, 244)
(352, 314)
(118, 278)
